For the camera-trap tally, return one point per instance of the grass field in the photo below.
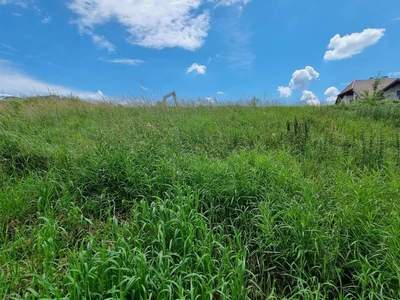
(101, 201)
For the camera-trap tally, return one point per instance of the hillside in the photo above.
(102, 201)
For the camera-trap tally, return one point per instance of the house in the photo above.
(390, 88)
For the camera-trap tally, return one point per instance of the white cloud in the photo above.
(310, 99)
(236, 40)
(220, 93)
(7, 50)
(285, 91)
(331, 94)
(211, 100)
(300, 80)
(143, 88)
(393, 74)
(14, 82)
(341, 47)
(46, 20)
(231, 2)
(102, 42)
(151, 23)
(199, 69)
(22, 3)
(125, 61)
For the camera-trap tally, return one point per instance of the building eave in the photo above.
(397, 81)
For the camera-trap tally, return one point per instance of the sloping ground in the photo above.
(100, 201)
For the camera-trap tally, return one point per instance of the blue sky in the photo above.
(226, 49)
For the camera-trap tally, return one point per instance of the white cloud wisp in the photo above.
(16, 83)
(125, 61)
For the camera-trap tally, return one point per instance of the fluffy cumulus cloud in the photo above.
(309, 98)
(341, 47)
(197, 68)
(152, 23)
(285, 91)
(300, 80)
(16, 83)
(331, 94)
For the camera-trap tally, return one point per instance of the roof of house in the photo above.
(367, 86)
(396, 81)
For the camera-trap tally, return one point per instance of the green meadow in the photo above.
(101, 201)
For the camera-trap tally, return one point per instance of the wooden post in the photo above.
(166, 97)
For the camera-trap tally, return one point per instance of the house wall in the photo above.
(392, 92)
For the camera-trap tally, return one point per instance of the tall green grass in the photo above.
(109, 202)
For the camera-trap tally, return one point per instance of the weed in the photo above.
(226, 202)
